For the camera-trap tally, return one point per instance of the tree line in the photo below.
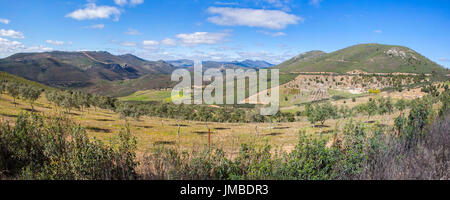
(69, 100)
(315, 113)
(320, 113)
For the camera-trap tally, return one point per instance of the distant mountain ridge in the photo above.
(120, 75)
(80, 66)
(254, 64)
(372, 58)
(83, 69)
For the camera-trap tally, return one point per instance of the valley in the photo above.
(124, 104)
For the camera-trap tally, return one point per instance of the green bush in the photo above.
(310, 160)
(55, 148)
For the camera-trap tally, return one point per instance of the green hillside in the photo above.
(300, 58)
(373, 58)
(80, 69)
(9, 77)
(92, 71)
(120, 88)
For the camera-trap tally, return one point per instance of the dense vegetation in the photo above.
(53, 147)
(39, 147)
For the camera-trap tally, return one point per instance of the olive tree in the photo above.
(13, 90)
(2, 87)
(321, 113)
(30, 94)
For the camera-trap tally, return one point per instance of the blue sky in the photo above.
(272, 30)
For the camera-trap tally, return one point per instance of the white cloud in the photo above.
(272, 19)
(11, 33)
(121, 2)
(92, 11)
(128, 44)
(55, 42)
(201, 38)
(315, 2)
(150, 43)
(136, 2)
(444, 59)
(131, 2)
(4, 21)
(169, 42)
(378, 31)
(8, 47)
(273, 34)
(133, 32)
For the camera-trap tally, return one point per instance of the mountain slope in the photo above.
(373, 58)
(300, 58)
(126, 87)
(80, 69)
(5, 76)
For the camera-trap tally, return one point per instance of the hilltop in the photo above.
(372, 58)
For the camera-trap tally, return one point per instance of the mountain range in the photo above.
(80, 69)
(120, 75)
(253, 64)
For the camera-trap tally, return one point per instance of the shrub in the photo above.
(401, 105)
(310, 160)
(427, 159)
(39, 148)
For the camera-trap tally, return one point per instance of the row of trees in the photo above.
(433, 89)
(60, 98)
(81, 101)
(199, 113)
(78, 100)
(323, 112)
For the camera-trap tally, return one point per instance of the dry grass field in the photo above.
(150, 131)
